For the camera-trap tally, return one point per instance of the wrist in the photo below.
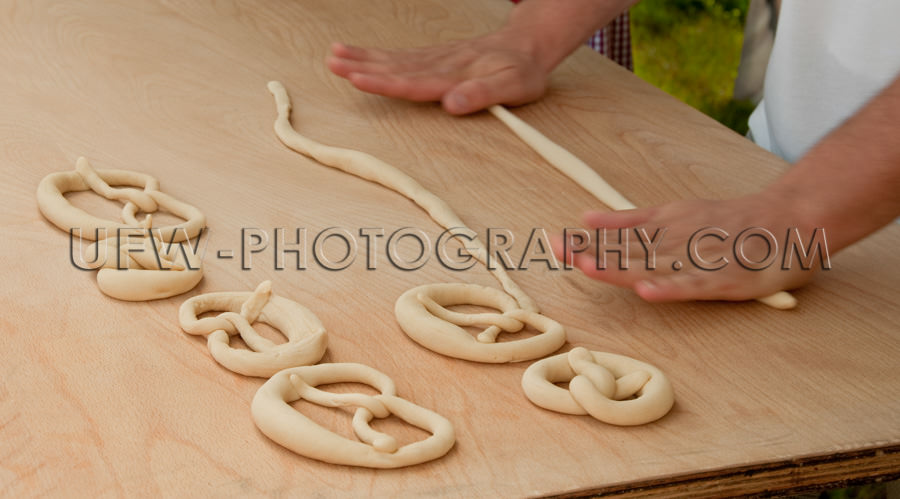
(799, 207)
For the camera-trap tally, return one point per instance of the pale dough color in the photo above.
(414, 318)
(57, 209)
(147, 269)
(600, 384)
(275, 417)
(306, 335)
(591, 181)
(421, 313)
(146, 265)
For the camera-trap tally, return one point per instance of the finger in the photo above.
(504, 87)
(587, 263)
(422, 87)
(617, 219)
(696, 286)
(351, 52)
(672, 288)
(612, 271)
(344, 67)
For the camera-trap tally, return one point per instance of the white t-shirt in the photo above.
(830, 57)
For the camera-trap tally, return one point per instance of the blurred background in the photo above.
(692, 50)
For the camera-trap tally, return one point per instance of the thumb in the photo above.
(617, 219)
(476, 94)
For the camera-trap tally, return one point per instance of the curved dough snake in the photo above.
(591, 181)
(599, 381)
(133, 267)
(414, 317)
(273, 414)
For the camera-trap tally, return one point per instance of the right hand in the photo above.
(465, 76)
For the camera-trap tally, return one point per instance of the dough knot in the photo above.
(611, 388)
(306, 337)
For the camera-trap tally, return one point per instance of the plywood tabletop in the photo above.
(102, 397)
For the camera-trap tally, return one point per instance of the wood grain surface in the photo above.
(106, 398)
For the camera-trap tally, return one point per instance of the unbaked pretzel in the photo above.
(148, 199)
(600, 384)
(306, 335)
(421, 313)
(288, 427)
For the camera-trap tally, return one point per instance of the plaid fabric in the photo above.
(613, 41)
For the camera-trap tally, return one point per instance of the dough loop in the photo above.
(148, 199)
(600, 384)
(306, 335)
(288, 427)
(137, 262)
(421, 313)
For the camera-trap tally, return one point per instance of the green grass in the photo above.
(692, 49)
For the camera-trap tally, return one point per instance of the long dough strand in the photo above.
(591, 181)
(369, 167)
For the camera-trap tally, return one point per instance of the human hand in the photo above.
(466, 75)
(699, 251)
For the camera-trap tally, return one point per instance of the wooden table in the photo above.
(101, 397)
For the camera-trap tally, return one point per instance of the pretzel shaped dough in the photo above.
(422, 316)
(145, 269)
(306, 335)
(600, 384)
(140, 194)
(282, 423)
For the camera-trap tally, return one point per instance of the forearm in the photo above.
(849, 183)
(553, 29)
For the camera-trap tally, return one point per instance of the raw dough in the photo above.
(600, 384)
(421, 313)
(133, 267)
(283, 424)
(411, 313)
(563, 160)
(306, 335)
(369, 167)
(131, 271)
(586, 177)
(57, 209)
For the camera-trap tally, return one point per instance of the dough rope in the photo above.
(137, 262)
(283, 424)
(591, 181)
(370, 168)
(306, 335)
(412, 315)
(601, 385)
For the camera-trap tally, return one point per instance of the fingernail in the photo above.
(647, 284)
(457, 102)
